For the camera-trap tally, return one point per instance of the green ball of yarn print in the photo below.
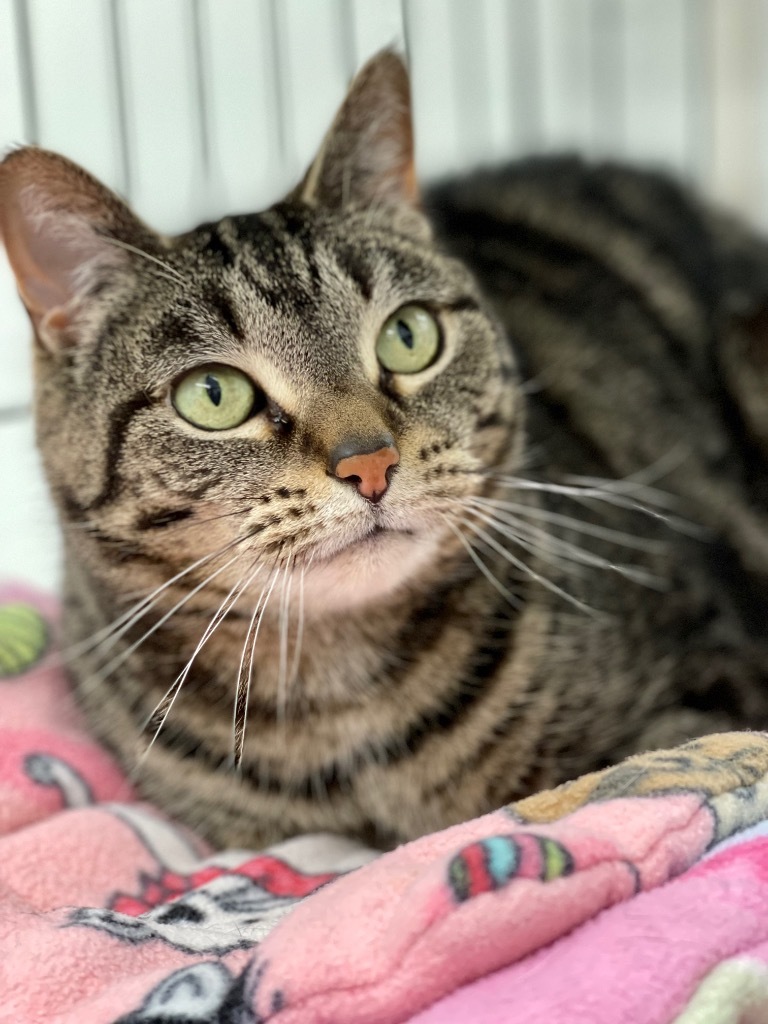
(23, 638)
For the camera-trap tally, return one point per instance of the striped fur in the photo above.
(414, 664)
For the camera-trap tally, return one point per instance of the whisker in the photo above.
(609, 497)
(285, 597)
(559, 552)
(244, 679)
(540, 544)
(627, 486)
(676, 523)
(665, 464)
(548, 542)
(163, 708)
(121, 625)
(169, 272)
(525, 568)
(605, 533)
(512, 598)
(299, 627)
(118, 660)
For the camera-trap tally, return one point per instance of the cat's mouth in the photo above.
(376, 537)
(365, 561)
(352, 570)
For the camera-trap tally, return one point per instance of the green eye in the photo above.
(409, 341)
(215, 397)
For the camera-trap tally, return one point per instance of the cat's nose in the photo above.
(366, 465)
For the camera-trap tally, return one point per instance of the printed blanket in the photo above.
(636, 895)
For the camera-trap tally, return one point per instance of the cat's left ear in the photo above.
(367, 156)
(64, 233)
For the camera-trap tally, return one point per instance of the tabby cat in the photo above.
(380, 512)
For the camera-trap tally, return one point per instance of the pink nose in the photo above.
(368, 471)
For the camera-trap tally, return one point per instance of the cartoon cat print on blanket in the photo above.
(49, 770)
(231, 902)
(205, 993)
(271, 874)
(233, 911)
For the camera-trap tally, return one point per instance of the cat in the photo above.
(380, 511)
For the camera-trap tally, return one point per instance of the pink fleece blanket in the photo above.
(638, 894)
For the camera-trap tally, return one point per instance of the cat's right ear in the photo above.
(63, 232)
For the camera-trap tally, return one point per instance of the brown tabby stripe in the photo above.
(651, 207)
(661, 216)
(166, 517)
(520, 238)
(216, 246)
(463, 692)
(217, 301)
(664, 216)
(274, 298)
(420, 635)
(259, 231)
(492, 419)
(464, 304)
(472, 761)
(470, 685)
(195, 489)
(359, 271)
(745, 457)
(291, 226)
(119, 421)
(114, 549)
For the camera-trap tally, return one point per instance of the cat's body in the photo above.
(415, 665)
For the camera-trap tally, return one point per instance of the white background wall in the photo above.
(194, 108)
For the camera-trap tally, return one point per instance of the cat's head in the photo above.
(317, 386)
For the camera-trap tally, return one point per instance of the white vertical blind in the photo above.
(436, 114)
(656, 80)
(12, 89)
(316, 61)
(165, 116)
(74, 86)
(566, 63)
(244, 132)
(739, 52)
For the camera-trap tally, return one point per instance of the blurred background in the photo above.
(195, 108)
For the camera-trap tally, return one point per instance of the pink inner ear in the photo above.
(58, 224)
(48, 250)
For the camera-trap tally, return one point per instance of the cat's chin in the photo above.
(365, 570)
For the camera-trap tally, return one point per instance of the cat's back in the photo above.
(603, 219)
(637, 314)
